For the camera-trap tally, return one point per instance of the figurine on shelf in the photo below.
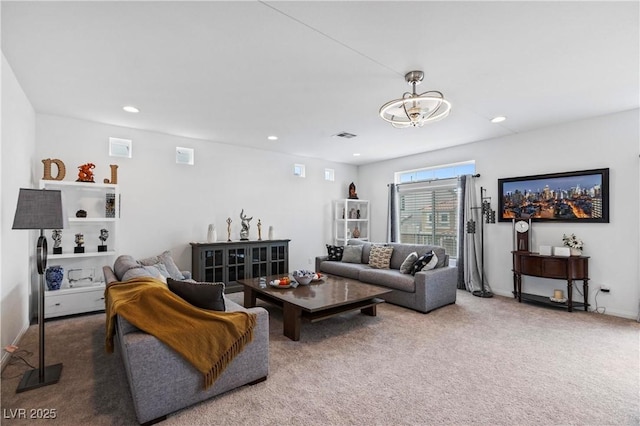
(79, 244)
(259, 230)
(104, 234)
(86, 173)
(353, 195)
(244, 233)
(81, 213)
(228, 229)
(56, 235)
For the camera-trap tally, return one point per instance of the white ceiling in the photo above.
(236, 72)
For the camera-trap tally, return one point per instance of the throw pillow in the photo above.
(203, 295)
(352, 254)
(380, 256)
(166, 259)
(335, 252)
(405, 268)
(422, 262)
(143, 271)
(431, 264)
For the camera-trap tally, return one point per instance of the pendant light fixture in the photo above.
(415, 109)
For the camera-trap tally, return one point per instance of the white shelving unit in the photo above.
(83, 286)
(351, 220)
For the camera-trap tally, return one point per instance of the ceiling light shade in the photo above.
(415, 109)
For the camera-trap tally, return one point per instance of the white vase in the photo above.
(271, 232)
(575, 252)
(212, 235)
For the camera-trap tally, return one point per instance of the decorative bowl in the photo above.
(303, 277)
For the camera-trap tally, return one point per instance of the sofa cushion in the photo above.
(352, 254)
(334, 252)
(347, 270)
(405, 268)
(166, 259)
(423, 261)
(203, 295)
(390, 278)
(380, 256)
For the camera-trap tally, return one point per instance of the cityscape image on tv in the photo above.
(561, 198)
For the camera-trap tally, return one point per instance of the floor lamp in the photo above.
(488, 216)
(39, 209)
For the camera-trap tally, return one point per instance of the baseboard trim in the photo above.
(7, 356)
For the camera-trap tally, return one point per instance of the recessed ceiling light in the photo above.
(356, 154)
(130, 108)
(272, 138)
(498, 119)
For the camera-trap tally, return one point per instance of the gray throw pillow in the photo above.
(202, 295)
(405, 268)
(352, 254)
(143, 271)
(166, 259)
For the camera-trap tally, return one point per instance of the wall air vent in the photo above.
(345, 135)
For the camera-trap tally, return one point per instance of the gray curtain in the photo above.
(393, 213)
(460, 262)
(472, 267)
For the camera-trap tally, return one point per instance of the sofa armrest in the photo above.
(437, 286)
(319, 260)
(109, 275)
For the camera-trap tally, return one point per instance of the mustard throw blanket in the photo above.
(209, 340)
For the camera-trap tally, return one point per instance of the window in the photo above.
(429, 205)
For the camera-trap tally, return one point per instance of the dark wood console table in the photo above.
(557, 267)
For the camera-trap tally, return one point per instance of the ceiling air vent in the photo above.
(346, 135)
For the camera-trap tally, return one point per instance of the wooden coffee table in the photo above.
(316, 301)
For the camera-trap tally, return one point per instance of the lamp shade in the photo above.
(39, 209)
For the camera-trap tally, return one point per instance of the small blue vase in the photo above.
(54, 275)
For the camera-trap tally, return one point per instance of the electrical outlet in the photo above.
(605, 289)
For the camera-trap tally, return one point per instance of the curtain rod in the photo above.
(433, 180)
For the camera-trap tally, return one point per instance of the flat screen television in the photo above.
(581, 196)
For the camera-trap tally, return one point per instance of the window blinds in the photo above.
(429, 214)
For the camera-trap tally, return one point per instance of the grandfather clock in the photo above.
(522, 234)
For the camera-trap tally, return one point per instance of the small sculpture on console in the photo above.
(79, 244)
(86, 173)
(229, 229)
(56, 235)
(244, 233)
(104, 234)
(259, 230)
(353, 195)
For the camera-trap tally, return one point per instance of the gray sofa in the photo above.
(162, 382)
(424, 292)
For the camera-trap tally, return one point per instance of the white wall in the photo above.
(17, 153)
(166, 206)
(609, 141)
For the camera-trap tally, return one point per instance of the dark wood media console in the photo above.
(557, 267)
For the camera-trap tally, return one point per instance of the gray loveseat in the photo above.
(424, 292)
(162, 382)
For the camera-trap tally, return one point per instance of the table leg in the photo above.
(292, 319)
(585, 291)
(515, 285)
(369, 310)
(570, 295)
(519, 290)
(249, 297)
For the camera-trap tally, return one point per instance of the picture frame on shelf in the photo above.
(579, 196)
